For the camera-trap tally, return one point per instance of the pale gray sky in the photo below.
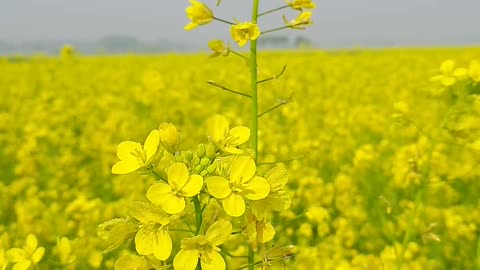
(337, 22)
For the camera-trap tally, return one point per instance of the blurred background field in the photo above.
(365, 133)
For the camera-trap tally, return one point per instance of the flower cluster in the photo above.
(217, 173)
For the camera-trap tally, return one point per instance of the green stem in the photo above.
(198, 214)
(275, 29)
(477, 255)
(241, 55)
(272, 10)
(223, 21)
(254, 114)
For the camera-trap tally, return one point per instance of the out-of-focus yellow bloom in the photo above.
(449, 74)
(169, 137)
(299, 4)
(129, 262)
(303, 20)
(474, 71)
(26, 257)
(199, 14)
(219, 48)
(152, 236)
(180, 185)
(227, 139)
(204, 247)
(243, 184)
(133, 156)
(64, 250)
(243, 32)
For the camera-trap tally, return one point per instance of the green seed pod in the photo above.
(201, 150)
(211, 151)
(204, 162)
(212, 168)
(203, 173)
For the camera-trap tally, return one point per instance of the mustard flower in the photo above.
(168, 137)
(304, 19)
(259, 230)
(227, 139)
(243, 184)
(115, 232)
(129, 262)
(278, 199)
(199, 14)
(299, 4)
(242, 32)
(133, 156)
(204, 247)
(449, 74)
(30, 255)
(152, 236)
(180, 185)
(219, 48)
(474, 71)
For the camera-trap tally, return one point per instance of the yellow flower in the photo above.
(227, 139)
(299, 4)
(242, 32)
(199, 14)
(474, 71)
(219, 48)
(152, 236)
(114, 232)
(204, 247)
(181, 184)
(303, 20)
(133, 157)
(277, 199)
(64, 250)
(449, 74)
(243, 184)
(28, 256)
(259, 230)
(168, 136)
(129, 262)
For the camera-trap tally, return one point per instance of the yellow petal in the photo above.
(217, 127)
(125, 166)
(16, 255)
(218, 187)
(193, 186)
(257, 188)
(265, 232)
(151, 144)
(186, 259)
(232, 150)
(447, 66)
(447, 81)
(234, 205)
(215, 261)
(219, 232)
(163, 245)
(174, 204)
(38, 255)
(277, 177)
(190, 26)
(177, 175)
(240, 135)
(144, 241)
(126, 148)
(32, 243)
(158, 192)
(23, 265)
(147, 212)
(243, 168)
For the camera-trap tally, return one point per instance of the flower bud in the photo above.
(168, 136)
(204, 162)
(189, 155)
(212, 168)
(211, 151)
(201, 150)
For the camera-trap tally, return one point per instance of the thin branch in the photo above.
(228, 89)
(223, 21)
(281, 103)
(246, 266)
(272, 10)
(241, 55)
(275, 29)
(274, 76)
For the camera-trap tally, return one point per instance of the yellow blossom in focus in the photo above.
(180, 185)
(243, 184)
(303, 20)
(227, 139)
(299, 4)
(133, 156)
(152, 236)
(259, 230)
(115, 232)
(30, 255)
(278, 199)
(243, 32)
(204, 247)
(219, 48)
(169, 137)
(199, 14)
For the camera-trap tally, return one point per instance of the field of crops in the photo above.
(381, 146)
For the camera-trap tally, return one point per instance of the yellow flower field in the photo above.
(382, 149)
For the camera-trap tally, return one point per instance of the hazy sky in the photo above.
(338, 22)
